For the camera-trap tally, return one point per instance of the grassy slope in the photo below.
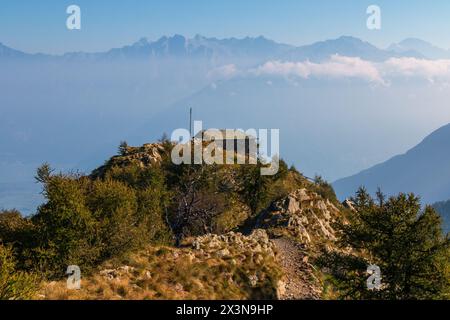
(216, 270)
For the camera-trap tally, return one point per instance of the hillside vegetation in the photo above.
(141, 227)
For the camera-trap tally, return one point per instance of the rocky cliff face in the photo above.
(304, 216)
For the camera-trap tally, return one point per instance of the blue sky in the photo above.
(39, 26)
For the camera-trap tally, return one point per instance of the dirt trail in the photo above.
(299, 279)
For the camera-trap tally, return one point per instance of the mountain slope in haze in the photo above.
(344, 46)
(443, 207)
(422, 47)
(424, 170)
(9, 54)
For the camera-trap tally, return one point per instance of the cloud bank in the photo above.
(342, 67)
(431, 70)
(224, 72)
(336, 67)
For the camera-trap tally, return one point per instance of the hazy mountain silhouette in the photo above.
(177, 46)
(8, 54)
(424, 170)
(344, 46)
(421, 47)
(233, 50)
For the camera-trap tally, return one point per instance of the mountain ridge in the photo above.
(420, 46)
(176, 45)
(200, 46)
(423, 170)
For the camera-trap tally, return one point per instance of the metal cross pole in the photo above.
(190, 122)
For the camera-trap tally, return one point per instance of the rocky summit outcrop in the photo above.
(146, 155)
(303, 215)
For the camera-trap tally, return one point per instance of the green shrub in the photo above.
(14, 284)
(20, 234)
(258, 191)
(67, 230)
(86, 221)
(152, 206)
(114, 206)
(15, 229)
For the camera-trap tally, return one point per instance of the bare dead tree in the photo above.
(195, 206)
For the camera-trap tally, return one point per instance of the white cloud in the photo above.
(434, 71)
(224, 72)
(430, 70)
(336, 67)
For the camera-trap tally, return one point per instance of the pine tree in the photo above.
(123, 148)
(404, 241)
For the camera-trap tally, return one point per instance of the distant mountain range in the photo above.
(259, 48)
(177, 46)
(424, 170)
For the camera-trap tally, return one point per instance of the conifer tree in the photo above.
(405, 241)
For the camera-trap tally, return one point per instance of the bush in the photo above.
(258, 191)
(67, 230)
(152, 204)
(15, 229)
(114, 206)
(153, 199)
(18, 233)
(86, 221)
(14, 284)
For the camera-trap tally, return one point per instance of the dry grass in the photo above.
(170, 273)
